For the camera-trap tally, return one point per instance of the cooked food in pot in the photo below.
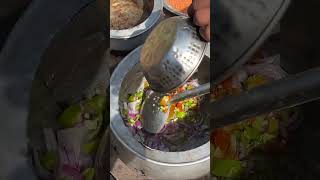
(185, 129)
(125, 14)
(233, 146)
(69, 149)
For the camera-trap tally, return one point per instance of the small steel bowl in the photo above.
(172, 10)
(128, 39)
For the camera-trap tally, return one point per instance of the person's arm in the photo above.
(200, 11)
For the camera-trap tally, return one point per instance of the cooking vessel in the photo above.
(129, 39)
(193, 163)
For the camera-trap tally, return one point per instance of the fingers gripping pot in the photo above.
(171, 54)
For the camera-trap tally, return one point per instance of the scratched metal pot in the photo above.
(128, 39)
(193, 163)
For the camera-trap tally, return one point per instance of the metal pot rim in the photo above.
(142, 27)
(124, 136)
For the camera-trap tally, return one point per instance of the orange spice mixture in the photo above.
(180, 5)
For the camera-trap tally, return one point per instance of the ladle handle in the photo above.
(198, 91)
(278, 95)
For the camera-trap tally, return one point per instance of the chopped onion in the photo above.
(239, 77)
(138, 124)
(271, 71)
(132, 115)
(133, 106)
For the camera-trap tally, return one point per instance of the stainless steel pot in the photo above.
(128, 39)
(157, 164)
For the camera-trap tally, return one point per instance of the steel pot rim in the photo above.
(139, 29)
(124, 136)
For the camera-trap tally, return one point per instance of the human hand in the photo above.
(200, 11)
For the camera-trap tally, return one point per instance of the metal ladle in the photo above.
(170, 56)
(240, 28)
(153, 118)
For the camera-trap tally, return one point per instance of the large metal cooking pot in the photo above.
(193, 163)
(20, 59)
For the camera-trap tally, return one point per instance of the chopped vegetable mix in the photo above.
(227, 168)
(182, 124)
(231, 145)
(70, 150)
(70, 117)
(96, 104)
(88, 174)
(255, 81)
(49, 161)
